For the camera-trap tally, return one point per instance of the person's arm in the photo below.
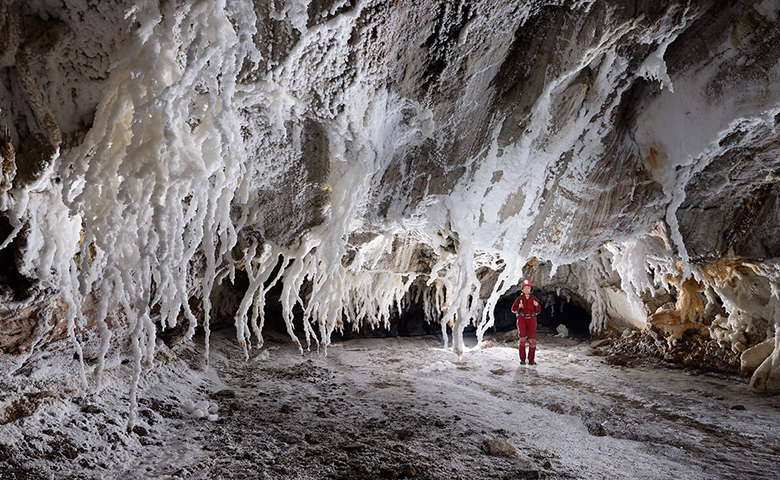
(516, 305)
(537, 306)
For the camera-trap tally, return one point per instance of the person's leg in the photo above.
(522, 349)
(531, 331)
(521, 327)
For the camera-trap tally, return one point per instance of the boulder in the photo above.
(500, 448)
(766, 379)
(755, 356)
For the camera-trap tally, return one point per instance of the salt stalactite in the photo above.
(505, 280)
(255, 294)
(432, 298)
(372, 129)
(103, 331)
(542, 147)
(7, 169)
(599, 316)
(50, 247)
(464, 285)
(629, 259)
(151, 194)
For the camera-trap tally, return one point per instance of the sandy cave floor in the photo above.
(386, 408)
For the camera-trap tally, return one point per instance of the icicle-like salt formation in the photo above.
(529, 167)
(144, 200)
(152, 195)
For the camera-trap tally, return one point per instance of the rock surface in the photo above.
(500, 448)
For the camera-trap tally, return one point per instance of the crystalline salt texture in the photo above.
(147, 218)
(654, 66)
(296, 12)
(545, 151)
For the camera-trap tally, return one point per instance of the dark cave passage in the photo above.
(409, 323)
(556, 310)
(570, 310)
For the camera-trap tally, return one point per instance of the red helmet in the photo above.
(527, 282)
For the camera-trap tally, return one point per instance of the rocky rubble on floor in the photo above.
(691, 351)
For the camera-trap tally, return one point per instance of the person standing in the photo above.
(527, 308)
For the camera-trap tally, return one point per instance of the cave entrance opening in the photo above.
(570, 310)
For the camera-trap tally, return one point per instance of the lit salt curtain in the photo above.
(377, 128)
(51, 244)
(158, 171)
(376, 285)
(259, 269)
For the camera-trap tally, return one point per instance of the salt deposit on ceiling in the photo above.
(379, 148)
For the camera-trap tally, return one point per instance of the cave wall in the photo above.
(155, 148)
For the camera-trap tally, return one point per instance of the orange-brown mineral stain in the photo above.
(657, 156)
(652, 159)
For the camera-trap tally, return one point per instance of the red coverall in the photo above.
(526, 323)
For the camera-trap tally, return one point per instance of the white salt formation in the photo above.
(201, 409)
(371, 155)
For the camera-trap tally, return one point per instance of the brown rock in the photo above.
(388, 473)
(510, 336)
(672, 323)
(500, 448)
(24, 327)
(70, 452)
(600, 343)
(597, 352)
(225, 393)
(755, 356)
(407, 471)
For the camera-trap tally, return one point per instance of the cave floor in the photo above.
(388, 408)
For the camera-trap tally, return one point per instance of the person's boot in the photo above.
(531, 356)
(531, 362)
(522, 362)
